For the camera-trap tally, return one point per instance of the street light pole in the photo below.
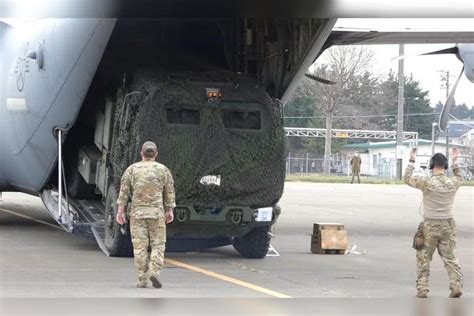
(401, 90)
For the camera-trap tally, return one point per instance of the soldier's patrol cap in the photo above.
(149, 148)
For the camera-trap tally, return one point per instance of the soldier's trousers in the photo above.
(355, 173)
(148, 233)
(439, 234)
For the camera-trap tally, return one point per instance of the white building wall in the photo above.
(381, 162)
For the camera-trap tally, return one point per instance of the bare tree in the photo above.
(341, 64)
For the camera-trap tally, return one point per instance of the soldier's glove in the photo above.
(419, 239)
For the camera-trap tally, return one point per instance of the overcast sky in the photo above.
(424, 69)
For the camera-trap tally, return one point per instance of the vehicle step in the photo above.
(99, 233)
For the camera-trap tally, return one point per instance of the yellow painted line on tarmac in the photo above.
(31, 218)
(227, 279)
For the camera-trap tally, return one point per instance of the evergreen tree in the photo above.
(388, 103)
(461, 111)
(417, 102)
(361, 98)
(307, 107)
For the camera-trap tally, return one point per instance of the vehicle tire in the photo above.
(117, 244)
(77, 187)
(255, 244)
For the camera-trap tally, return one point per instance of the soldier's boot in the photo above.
(155, 280)
(455, 293)
(142, 283)
(422, 294)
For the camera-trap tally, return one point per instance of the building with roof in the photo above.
(468, 140)
(461, 133)
(379, 158)
(457, 130)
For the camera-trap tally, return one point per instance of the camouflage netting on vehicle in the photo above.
(249, 161)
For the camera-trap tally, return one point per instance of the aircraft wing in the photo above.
(341, 37)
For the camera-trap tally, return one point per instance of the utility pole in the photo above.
(447, 143)
(445, 78)
(401, 93)
(433, 136)
(327, 143)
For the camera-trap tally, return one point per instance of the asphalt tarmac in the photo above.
(39, 260)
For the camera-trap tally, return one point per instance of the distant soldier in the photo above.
(355, 165)
(438, 227)
(150, 186)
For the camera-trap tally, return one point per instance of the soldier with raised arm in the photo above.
(438, 227)
(150, 187)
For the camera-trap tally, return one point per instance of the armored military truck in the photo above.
(219, 133)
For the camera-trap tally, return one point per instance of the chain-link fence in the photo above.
(374, 166)
(381, 168)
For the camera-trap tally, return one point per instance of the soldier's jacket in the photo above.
(438, 191)
(355, 163)
(150, 186)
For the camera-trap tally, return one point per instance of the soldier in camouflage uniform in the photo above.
(356, 161)
(150, 187)
(439, 228)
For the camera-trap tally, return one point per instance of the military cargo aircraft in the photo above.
(78, 97)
